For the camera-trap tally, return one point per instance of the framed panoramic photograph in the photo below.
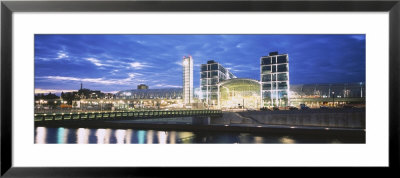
(103, 88)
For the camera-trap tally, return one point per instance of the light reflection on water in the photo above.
(286, 140)
(162, 137)
(258, 139)
(62, 135)
(101, 136)
(120, 135)
(141, 135)
(128, 136)
(173, 137)
(150, 137)
(40, 135)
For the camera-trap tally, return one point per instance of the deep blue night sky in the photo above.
(117, 62)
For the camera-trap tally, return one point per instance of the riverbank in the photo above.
(331, 118)
(242, 128)
(339, 123)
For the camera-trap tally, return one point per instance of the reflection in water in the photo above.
(82, 136)
(258, 139)
(128, 136)
(172, 137)
(336, 141)
(162, 137)
(185, 137)
(103, 136)
(286, 139)
(40, 135)
(100, 134)
(150, 137)
(141, 136)
(121, 136)
(62, 135)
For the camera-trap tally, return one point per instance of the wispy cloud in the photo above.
(237, 70)
(138, 65)
(133, 75)
(107, 62)
(62, 55)
(102, 81)
(91, 80)
(40, 90)
(141, 42)
(96, 62)
(178, 63)
(114, 72)
(112, 61)
(113, 92)
(241, 68)
(46, 91)
(58, 56)
(168, 86)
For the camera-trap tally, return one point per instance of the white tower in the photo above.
(187, 64)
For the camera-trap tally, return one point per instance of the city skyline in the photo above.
(112, 63)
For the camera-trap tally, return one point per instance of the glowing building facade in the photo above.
(187, 64)
(275, 80)
(239, 93)
(210, 75)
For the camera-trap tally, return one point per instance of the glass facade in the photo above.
(275, 80)
(239, 93)
(211, 74)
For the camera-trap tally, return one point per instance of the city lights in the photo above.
(240, 93)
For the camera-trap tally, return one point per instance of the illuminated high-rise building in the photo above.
(275, 80)
(211, 74)
(187, 64)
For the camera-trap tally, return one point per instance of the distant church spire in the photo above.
(81, 85)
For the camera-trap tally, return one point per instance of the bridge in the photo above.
(125, 115)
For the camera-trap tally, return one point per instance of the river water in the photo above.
(44, 135)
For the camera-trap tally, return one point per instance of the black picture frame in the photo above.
(8, 7)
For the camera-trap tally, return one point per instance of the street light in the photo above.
(333, 98)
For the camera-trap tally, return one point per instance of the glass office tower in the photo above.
(187, 64)
(275, 80)
(210, 75)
